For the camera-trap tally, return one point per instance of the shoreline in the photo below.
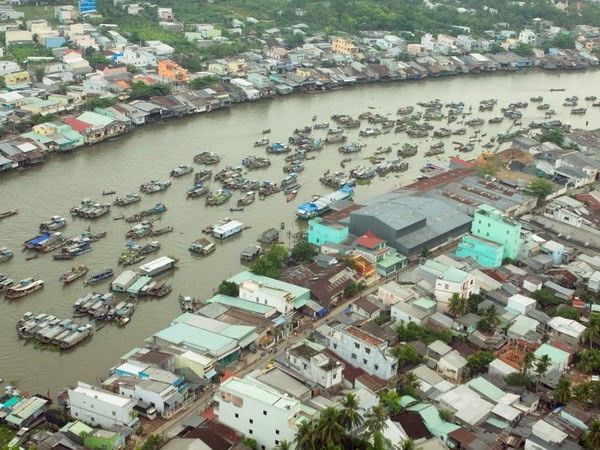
(49, 154)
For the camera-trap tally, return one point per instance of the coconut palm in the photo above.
(592, 332)
(541, 367)
(458, 306)
(376, 418)
(305, 436)
(582, 394)
(528, 361)
(329, 430)
(589, 360)
(390, 399)
(490, 313)
(592, 436)
(411, 383)
(350, 416)
(407, 444)
(562, 391)
(284, 445)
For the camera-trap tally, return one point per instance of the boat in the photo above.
(197, 190)
(159, 290)
(5, 254)
(321, 126)
(25, 287)
(256, 162)
(109, 192)
(207, 158)
(55, 223)
(289, 179)
(260, 143)
(407, 150)
(236, 209)
(5, 284)
(74, 250)
(76, 337)
(162, 230)
(6, 214)
(159, 208)
(591, 98)
(154, 186)
(278, 148)
(202, 246)
(350, 148)
(557, 90)
(267, 131)
(90, 209)
(537, 99)
(543, 106)
(226, 228)
(203, 175)
(74, 273)
(247, 199)
(181, 170)
(220, 197)
(369, 132)
(497, 119)
(127, 199)
(578, 111)
(96, 278)
(321, 205)
(139, 230)
(188, 304)
(46, 242)
(291, 196)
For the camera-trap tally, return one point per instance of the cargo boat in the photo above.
(317, 207)
(25, 287)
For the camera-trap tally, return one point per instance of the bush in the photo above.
(518, 379)
(546, 298)
(229, 288)
(479, 361)
(303, 251)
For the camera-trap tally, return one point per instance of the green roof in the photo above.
(297, 291)
(25, 409)
(44, 139)
(407, 400)
(424, 303)
(455, 275)
(487, 389)
(434, 423)
(487, 208)
(241, 304)
(139, 284)
(184, 334)
(557, 356)
(95, 119)
(392, 260)
(79, 428)
(497, 423)
(523, 324)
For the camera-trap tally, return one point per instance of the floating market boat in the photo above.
(408, 150)
(100, 276)
(247, 199)
(181, 170)
(202, 246)
(207, 158)
(46, 242)
(74, 273)
(127, 199)
(218, 198)
(537, 99)
(25, 287)
(260, 143)
(278, 148)
(163, 230)
(154, 186)
(350, 148)
(578, 111)
(203, 175)
(5, 254)
(256, 162)
(74, 250)
(55, 223)
(198, 190)
(140, 230)
(317, 207)
(159, 290)
(159, 208)
(89, 209)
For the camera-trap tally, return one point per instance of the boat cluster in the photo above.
(104, 307)
(90, 209)
(53, 331)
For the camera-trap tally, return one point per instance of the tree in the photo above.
(98, 60)
(329, 430)
(204, 82)
(407, 444)
(350, 416)
(229, 288)
(562, 391)
(524, 49)
(99, 102)
(2, 82)
(528, 361)
(518, 379)
(391, 400)
(305, 436)
(488, 167)
(479, 361)
(546, 298)
(303, 252)
(271, 263)
(153, 442)
(490, 313)
(459, 306)
(540, 188)
(591, 438)
(541, 367)
(568, 313)
(376, 418)
(39, 73)
(141, 90)
(474, 301)
(446, 415)
(410, 384)
(553, 135)
(592, 332)
(589, 361)
(284, 445)
(406, 355)
(250, 443)
(353, 288)
(582, 394)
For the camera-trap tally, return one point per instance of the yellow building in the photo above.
(343, 46)
(237, 66)
(17, 78)
(172, 71)
(301, 72)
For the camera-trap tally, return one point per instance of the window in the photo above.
(92, 419)
(251, 421)
(264, 413)
(334, 376)
(353, 355)
(368, 351)
(356, 345)
(250, 432)
(237, 416)
(276, 442)
(446, 286)
(276, 431)
(304, 365)
(479, 221)
(376, 367)
(114, 413)
(507, 231)
(393, 366)
(488, 225)
(334, 345)
(487, 234)
(364, 361)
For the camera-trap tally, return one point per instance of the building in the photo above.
(25, 412)
(492, 225)
(521, 304)
(452, 365)
(452, 281)
(559, 359)
(364, 350)
(321, 231)
(104, 440)
(485, 252)
(343, 46)
(101, 408)
(417, 311)
(172, 71)
(308, 359)
(383, 258)
(567, 330)
(259, 411)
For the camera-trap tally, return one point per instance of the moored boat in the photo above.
(181, 170)
(207, 158)
(55, 223)
(197, 190)
(74, 273)
(127, 199)
(321, 205)
(25, 287)
(96, 278)
(219, 197)
(202, 246)
(154, 186)
(5, 214)
(5, 254)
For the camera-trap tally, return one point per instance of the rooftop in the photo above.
(362, 336)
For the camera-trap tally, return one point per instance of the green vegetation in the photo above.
(35, 12)
(20, 52)
(488, 167)
(353, 288)
(229, 288)
(479, 361)
(271, 263)
(407, 356)
(141, 90)
(568, 313)
(546, 298)
(100, 102)
(562, 391)
(414, 332)
(154, 442)
(303, 252)
(592, 332)
(446, 415)
(6, 435)
(591, 438)
(518, 379)
(204, 82)
(250, 443)
(554, 135)
(459, 306)
(589, 361)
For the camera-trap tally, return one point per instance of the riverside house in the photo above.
(95, 127)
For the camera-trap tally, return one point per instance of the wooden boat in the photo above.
(5, 254)
(236, 209)
(109, 192)
(159, 290)
(198, 190)
(207, 158)
(55, 223)
(6, 214)
(291, 196)
(181, 170)
(74, 273)
(96, 278)
(25, 287)
(163, 230)
(127, 199)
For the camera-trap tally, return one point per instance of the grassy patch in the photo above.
(37, 12)
(6, 435)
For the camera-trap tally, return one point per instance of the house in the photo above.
(22, 151)
(492, 225)
(343, 46)
(365, 351)
(26, 411)
(417, 311)
(452, 365)
(259, 411)
(172, 71)
(524, 328)
(321, 231)
(559, 359)
(17, 37)
(469, 408)
(451, 281)
(308, 359)
(437, 349)
(96, 127)
(374, 249)
(567, 330)
(487, 253)
(521, 304)
(365, 308)
(101, 408)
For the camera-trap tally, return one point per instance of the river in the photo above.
(151, 152)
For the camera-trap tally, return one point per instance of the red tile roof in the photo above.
(369, 240)
(76, 124)
(461, 162)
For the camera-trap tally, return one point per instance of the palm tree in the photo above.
(592, 332)
(284, 445)
(589, 360)
(305, 436)
(592, 436)
(350, 416)
(491, 315)
(411, 384)
(582, 394)
(458, 305)
(390, 399)
(528, 361)
(562, 391)
(329, 430)
(376, 418)
(541, 367)
(407, 444)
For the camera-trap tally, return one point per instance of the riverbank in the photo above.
(113, 123)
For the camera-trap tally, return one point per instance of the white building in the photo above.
(163, 396)
(521, 304)
(249, 89)
(364, 350)
(137, 58)
(101, 408)
(309, 361)
(259, 411)
(281, 300)
(451, 281)
(567, 330)
(417, 311)
(452, 365)
(528, 37)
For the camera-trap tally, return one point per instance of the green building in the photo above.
(492, 225)
(321, 231)
(485, 252)
(104, 440)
